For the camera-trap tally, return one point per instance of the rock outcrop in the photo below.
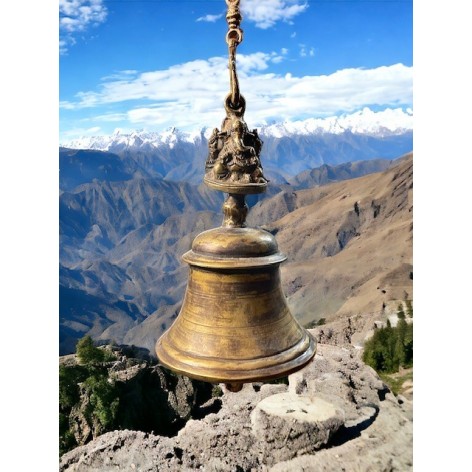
(149, 398)
(335, 415)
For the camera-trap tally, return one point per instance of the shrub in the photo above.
(66, 438)
(104, 402)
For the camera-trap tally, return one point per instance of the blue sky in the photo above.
(29, 192)
(153, 64)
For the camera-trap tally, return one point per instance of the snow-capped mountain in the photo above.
(137, 139)
(289, 148)
(367, 122)
(388, 122)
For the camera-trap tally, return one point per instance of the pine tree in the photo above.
(400, 312)
(389, 348)
(88, 353)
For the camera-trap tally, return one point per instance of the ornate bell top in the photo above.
(233, 164)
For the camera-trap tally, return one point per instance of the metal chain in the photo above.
(234, 37)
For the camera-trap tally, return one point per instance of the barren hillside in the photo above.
(349, 244)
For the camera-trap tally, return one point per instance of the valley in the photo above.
(348, 242)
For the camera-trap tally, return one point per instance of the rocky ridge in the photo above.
(335, 414)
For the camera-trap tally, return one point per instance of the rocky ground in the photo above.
(335, 415)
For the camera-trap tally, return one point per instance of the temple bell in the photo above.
(235, 325)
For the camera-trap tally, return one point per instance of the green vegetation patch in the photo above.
(396, 381)
(391, 348)
(89, 380)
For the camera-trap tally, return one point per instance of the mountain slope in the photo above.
(349, 244)
(80, 166)
(326, 174)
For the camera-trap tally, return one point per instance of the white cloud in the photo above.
(210, 18)
(188, 81)
(111, 117)
(119, 75)
(257, 61)
(64, 45)
(73, 133)
(266, 13)
(305, 51)
(94, 129)
(77, 16)
(191, 95)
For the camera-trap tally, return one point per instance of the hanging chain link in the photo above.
(234, 37)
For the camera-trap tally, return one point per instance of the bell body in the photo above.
(235, 325)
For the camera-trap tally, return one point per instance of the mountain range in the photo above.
(289, 148)
(127, 215)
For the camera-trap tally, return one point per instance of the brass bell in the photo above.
(235, 325)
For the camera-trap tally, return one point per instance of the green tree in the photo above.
(408, 346)
(389, 348)
(104, 402)
(400, 312)
(400, 343)
(88, 353)
(409, 308)
(90, 378)
(69, 396)
(69, 378)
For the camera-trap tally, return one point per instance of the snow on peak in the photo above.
(119, 141)
(365, 121)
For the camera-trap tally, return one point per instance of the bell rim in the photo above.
(291, 360)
